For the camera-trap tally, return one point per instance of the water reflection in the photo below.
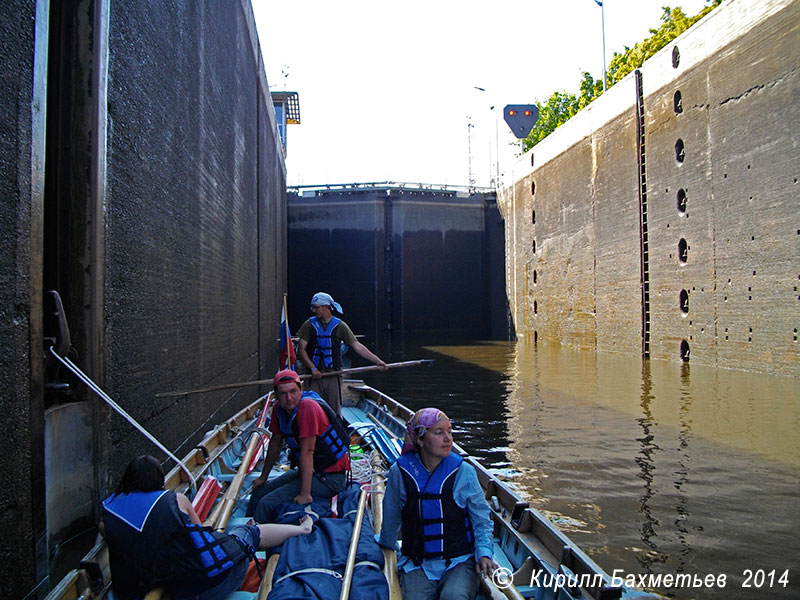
(649, 466)
(646, 462)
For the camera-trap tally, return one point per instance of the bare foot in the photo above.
(305, 524)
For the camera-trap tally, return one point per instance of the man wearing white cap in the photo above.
(319, 348)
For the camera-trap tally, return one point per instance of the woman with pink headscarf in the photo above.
(434, 499)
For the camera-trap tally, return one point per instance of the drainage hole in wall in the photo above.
(677, 102)
(685, 351)
(683, 251)
(682, 201)
(680, 151)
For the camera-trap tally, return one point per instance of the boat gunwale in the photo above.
(82, 583)
(215, 442)
(524, 525)
(515, 514)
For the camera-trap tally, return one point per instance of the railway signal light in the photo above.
(521, 118)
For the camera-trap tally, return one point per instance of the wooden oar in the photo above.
(351, 555)
(389, 555)
(266, 582)
(227, 386)
(222, 512)
(490, 590)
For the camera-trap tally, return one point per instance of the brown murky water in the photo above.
(651, 467)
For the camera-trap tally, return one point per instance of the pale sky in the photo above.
(387, 89)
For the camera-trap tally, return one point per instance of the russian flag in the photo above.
(286, 355)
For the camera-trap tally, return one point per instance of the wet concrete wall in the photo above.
(195, 199)
(21, 153)
(705, 267)
(401, 261)
(161, 223)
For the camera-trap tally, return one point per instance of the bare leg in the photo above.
(273, 534)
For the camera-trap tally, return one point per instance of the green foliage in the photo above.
(562, 106)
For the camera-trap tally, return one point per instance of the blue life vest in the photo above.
(326, 352)
(433, 525)
(329, 447)
(152, 543)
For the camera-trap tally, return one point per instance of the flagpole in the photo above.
(287, 335)
(603, 26)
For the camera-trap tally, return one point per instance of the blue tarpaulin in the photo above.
(311, 566)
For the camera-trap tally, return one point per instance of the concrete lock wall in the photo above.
(144, 180)
(705, 269)
(196, 193)
(401, 261)
(21, 154)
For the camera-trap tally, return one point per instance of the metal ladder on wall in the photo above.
(644, 261)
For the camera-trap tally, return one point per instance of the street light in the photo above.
(496, 178)
(603, 26)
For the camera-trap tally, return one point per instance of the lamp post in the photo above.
(494, 178)
(469, 153)
(603, 27)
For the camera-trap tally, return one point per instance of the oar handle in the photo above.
(407, 363)
(351, 554)
(228, 386)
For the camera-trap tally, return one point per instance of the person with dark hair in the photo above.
(318, 446)
(434, 498)
(321, 339)
(155, 539)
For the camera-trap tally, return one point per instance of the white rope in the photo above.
(360, 468)
(331, 572)
(94, 387)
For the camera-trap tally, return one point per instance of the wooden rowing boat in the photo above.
(536, 559)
